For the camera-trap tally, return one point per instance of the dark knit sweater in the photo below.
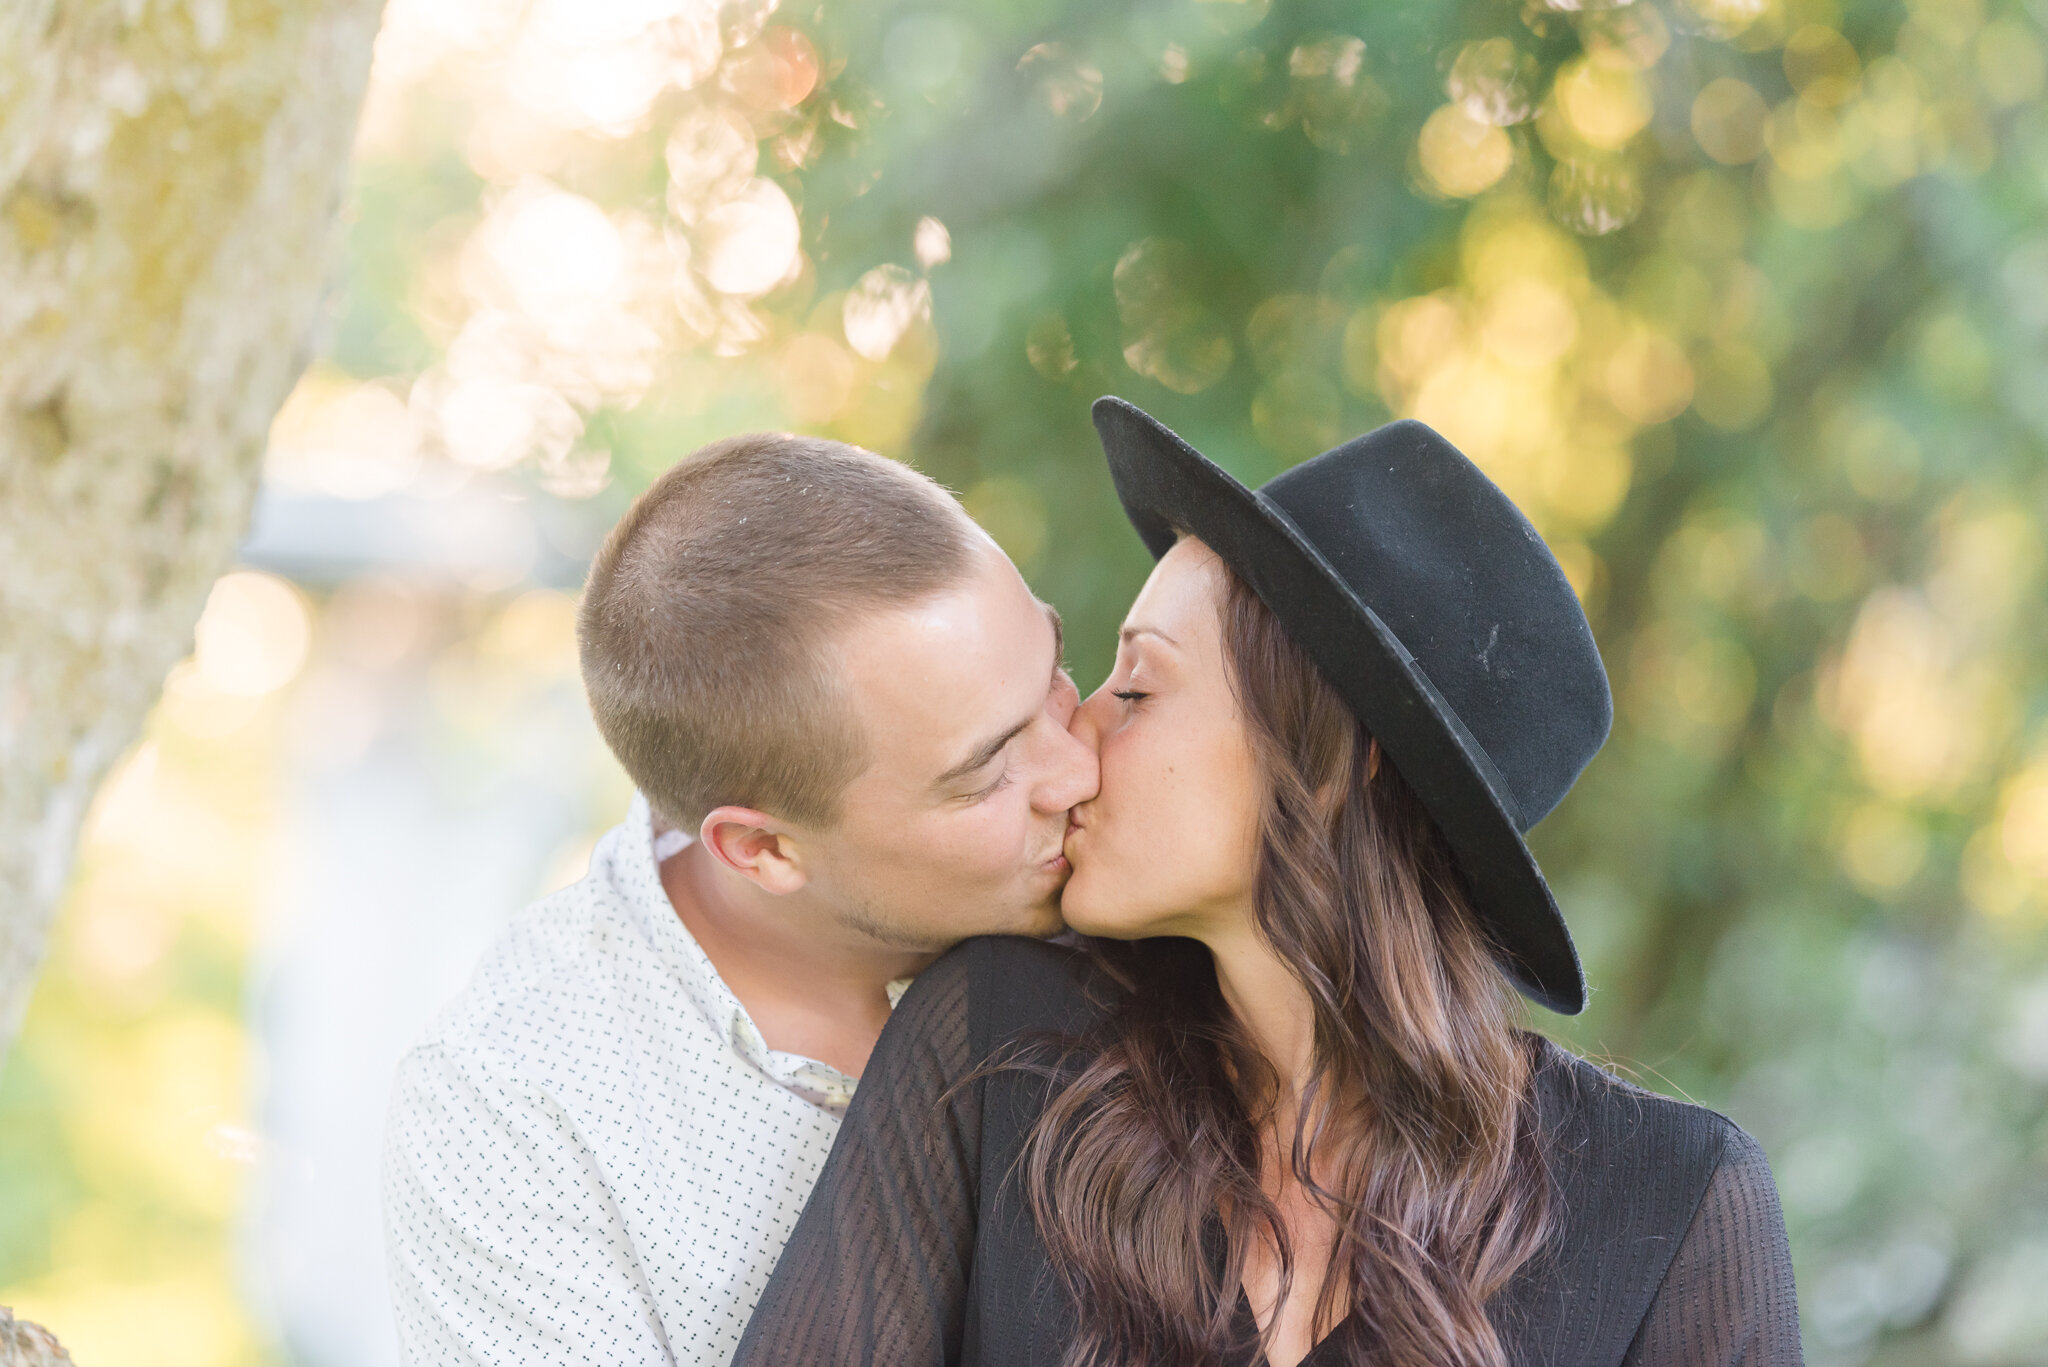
(914, 1251)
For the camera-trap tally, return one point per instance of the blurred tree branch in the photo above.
(28, 1345)
(170, 180)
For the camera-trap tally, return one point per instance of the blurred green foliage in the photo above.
(125, 1126)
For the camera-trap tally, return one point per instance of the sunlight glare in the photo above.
(253, 637)
(751, 242)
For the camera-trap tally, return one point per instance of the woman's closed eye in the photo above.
(1128, 694)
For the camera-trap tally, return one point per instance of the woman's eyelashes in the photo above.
(1130, 695)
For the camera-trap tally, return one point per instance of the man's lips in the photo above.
(1073, 829)
(1058, 858)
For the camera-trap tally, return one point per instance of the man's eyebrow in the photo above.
(1059, 634)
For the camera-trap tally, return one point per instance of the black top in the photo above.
(915, 1251)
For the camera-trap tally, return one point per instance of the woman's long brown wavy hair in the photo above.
(1143, 1170)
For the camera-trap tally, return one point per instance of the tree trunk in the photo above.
(28, 1345)
(170, 179)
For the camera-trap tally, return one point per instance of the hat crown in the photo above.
(1453, 569)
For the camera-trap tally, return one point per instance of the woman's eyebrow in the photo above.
(1136, 629)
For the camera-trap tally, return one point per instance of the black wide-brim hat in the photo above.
(1432, 606)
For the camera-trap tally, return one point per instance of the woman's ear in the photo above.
(756, 847)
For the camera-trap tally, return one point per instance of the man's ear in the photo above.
(755, 846)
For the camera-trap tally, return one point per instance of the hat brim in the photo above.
(1167, 487)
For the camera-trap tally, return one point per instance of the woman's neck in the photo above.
(1274, 1009)
(1269, 1001)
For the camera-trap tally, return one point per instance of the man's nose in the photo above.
(1064, 699)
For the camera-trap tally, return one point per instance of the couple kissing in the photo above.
(924, 1012)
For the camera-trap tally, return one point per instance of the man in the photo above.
(846, 717)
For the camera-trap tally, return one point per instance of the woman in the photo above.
(1277, 1110)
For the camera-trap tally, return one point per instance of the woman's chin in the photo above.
(1108, 930)
(1092, 911)
(1079, 909)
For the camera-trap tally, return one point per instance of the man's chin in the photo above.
(1034, 923)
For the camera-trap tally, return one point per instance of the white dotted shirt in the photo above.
(592, 1157)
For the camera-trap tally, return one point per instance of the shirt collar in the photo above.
(644, 850)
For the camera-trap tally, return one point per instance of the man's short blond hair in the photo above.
(709, 615)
